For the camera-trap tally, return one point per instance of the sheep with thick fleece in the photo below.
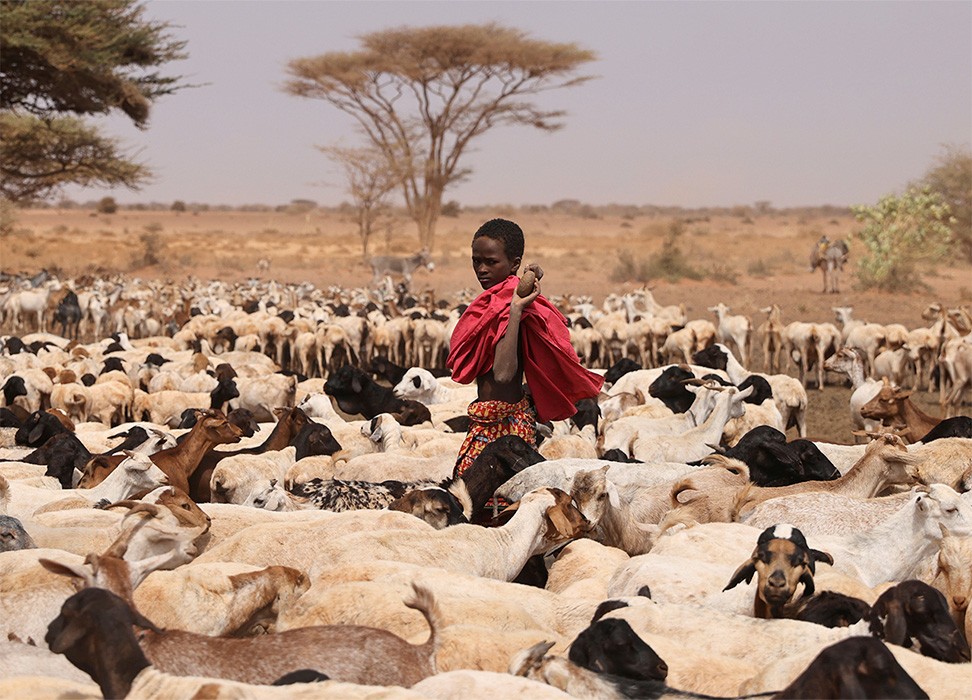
(583, 568)
(226, 597)
(467, 683)
(825, 513)
(364, 593)
(889, 551)
(542, 519)
(943, 461)
(397, 466)
(263, 394)
(235, 477)
(560, 473)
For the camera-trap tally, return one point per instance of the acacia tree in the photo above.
(422, 95)
(369, 183)
(63, 60)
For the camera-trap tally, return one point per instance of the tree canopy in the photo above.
(61, 61)
(951, 177)
(422, 95)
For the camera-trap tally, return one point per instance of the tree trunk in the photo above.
(426, 215)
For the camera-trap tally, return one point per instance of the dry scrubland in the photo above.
(748, 261)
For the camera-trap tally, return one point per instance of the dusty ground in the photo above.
(748, 261)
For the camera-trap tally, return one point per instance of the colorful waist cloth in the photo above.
(555, 376)
(492, 420)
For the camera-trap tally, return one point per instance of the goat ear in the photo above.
(744, 573)
(356, 384)
(529, 659)
(816, 555)
(70, 635)
(36, 433)
(70, 570)
(895, 624)
(614, 498)
(143, 567)
(559, 520)
(808, 587)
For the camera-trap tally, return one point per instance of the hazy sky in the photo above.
(697, 103)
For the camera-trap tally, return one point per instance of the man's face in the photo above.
(490, 262)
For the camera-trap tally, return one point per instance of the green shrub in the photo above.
(900, 233)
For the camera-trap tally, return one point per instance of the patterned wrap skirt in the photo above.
(492, 420)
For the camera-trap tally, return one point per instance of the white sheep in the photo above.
(736, 329)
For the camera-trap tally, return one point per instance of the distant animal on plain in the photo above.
(830, 257)
(382, 265)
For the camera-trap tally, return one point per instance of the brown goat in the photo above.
(782, 559)
(894, 408)
(95, 632)
(289, 423)
(177, 462)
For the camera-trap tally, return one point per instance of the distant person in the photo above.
(502, 337)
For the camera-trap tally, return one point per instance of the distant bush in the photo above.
(107, 205)
(670, 263)
(631, 269)
(759, 268)
(153, 250)
(8, 216)
(720, 272)
(178, 205)
(451, 209)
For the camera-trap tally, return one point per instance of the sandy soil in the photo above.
(748, 261)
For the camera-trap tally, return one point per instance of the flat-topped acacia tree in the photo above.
(422, 95)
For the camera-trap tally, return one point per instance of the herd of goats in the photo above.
(216, 490)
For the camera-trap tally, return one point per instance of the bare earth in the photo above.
(749, 262)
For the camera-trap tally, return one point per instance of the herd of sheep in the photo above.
(247, 491)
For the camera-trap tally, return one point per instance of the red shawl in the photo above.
(550, 365)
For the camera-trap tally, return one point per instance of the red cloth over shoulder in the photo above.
(550, 366)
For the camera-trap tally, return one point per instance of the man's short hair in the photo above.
(507, 233)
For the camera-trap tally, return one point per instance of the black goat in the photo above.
(357, 393)
(315, 439)
(68, 314)
(62, 453)
(38, 428)
(670, 389)
(611, 646)
(858, 667)
(830, 609)
(774, 462)
(913, 614)
(619, 369)
(956, 426)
